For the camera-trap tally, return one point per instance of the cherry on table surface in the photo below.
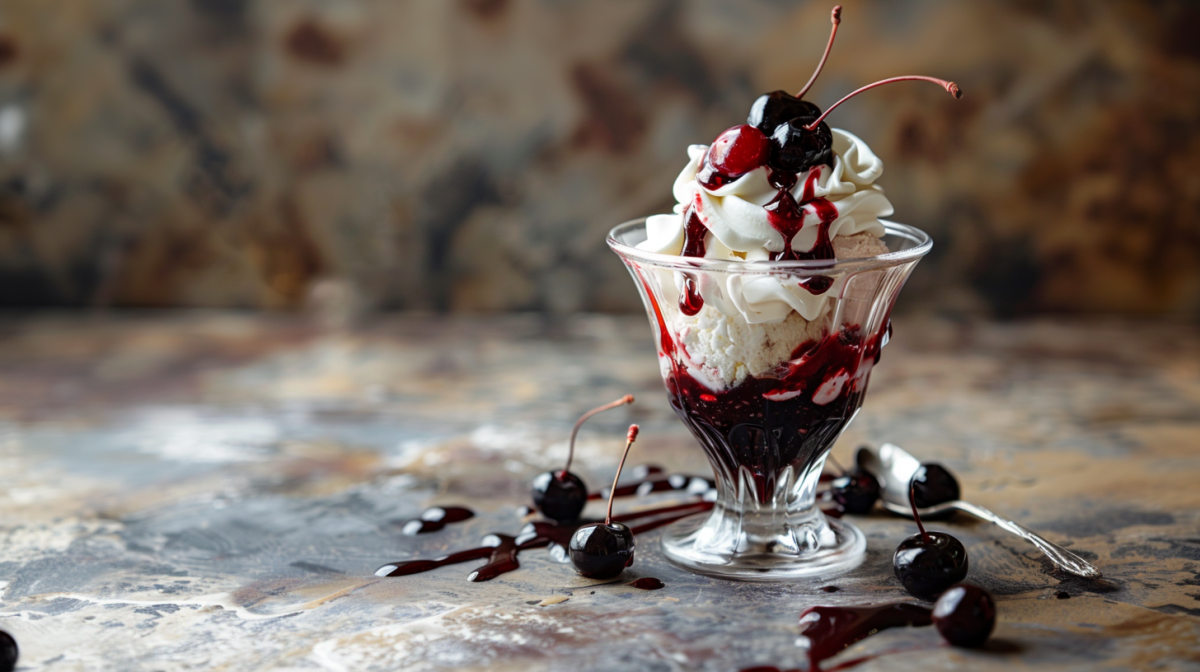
(8, 652)
(965, 615)
(559, 496)
(604, 550)
(928, 563)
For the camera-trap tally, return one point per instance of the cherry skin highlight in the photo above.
(933, 484)
(559, 496)
(777, 107)
(602, 550)
(739, 150)
(965, 615)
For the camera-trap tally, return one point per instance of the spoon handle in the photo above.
(1057, 554)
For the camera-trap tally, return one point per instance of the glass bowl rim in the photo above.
(922, 243)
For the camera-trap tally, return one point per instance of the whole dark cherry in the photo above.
(8, 652)
(561, 495)
(774, 108)
(929, 562)
(933, 484)
(965, 615)
(604, 550)
(739, 150)
(855, 491)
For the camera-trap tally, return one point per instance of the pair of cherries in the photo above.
(932, 565)
(784, 132)
(598, 550)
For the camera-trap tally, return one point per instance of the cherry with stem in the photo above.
(561, 495)
(949, 86)
(835, 17)
(604, 550)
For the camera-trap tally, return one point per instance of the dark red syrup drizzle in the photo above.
(647, 583)
(690, 301)
(501, 550)
(786, 216)
(831, 630)
(666, 346)
(768, 424)
(436, 518)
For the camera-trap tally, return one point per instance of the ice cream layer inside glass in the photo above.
(769, 288)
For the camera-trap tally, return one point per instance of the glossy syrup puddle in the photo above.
(831, 630)
(502, 550)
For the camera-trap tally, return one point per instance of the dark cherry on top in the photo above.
(799, 141)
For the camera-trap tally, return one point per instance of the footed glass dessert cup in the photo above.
(767, 362)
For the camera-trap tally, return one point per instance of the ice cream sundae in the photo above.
(770, 287)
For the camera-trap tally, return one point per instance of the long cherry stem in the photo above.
(836, 18)
(912, 499)
(950, 87)
(629, 439)
(627, 399)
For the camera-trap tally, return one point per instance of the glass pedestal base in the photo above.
(724, 545)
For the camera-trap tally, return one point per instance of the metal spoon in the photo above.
(894, 468)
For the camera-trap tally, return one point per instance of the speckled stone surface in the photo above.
(214, 491)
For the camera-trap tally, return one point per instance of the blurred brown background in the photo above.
(470, 155)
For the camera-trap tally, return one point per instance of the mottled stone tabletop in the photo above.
(214, 491)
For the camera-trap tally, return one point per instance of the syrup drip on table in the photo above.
(501, 550)
(647, 583)
(831, 630)
(436, 518)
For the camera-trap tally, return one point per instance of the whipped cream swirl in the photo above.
(738, 228)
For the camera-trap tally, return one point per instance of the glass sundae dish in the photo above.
(769, 289)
